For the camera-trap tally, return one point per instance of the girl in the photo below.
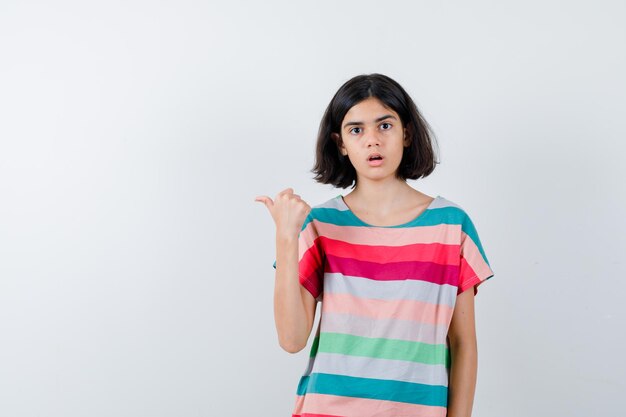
(390, 265)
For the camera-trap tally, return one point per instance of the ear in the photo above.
(337, 138)
(408, 133)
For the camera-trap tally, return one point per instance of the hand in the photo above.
(288, 210)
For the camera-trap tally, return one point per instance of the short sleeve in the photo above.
(474, 268)
(311, 258)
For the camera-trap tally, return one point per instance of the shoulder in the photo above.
(449, 211)
(328, 214)
(463, 218)
(333, 203)
(321, 209)
(321, 212)
(443, 202)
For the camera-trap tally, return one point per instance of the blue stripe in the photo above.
(431, 217)
(378, 389)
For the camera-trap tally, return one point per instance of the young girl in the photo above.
(390, 265)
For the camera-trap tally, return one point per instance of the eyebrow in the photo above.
(387, 116)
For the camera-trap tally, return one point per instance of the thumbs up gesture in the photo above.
(288, 210)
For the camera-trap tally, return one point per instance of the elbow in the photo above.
(463, 344)
(291, 349)
(291, 346)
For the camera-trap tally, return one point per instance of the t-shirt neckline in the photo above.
(410, 222)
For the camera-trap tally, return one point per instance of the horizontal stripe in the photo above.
(334, 214)
(387, 296)
(441, 233)
(445, 254)
(410, 289)
(469, 230)
(312, 284)
(474, 282)
(390, 328)
(472, 261)
(425, 271)
(311, 260)
(381, 348)
(373, 308)
(307, 236)
(379, 389)
(365, 367)
(321, 405)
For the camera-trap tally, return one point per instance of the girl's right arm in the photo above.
(294, 306)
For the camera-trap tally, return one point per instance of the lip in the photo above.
(375, 162)
(374, 154)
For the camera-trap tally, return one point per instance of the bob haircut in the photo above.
(418, 159)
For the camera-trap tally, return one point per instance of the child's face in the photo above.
(371, 127)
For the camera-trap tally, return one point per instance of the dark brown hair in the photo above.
(418, 159)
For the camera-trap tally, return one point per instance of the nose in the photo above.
(372, 138)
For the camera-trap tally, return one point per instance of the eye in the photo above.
(354, 128)
(388, 124)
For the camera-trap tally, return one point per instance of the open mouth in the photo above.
(375, 160)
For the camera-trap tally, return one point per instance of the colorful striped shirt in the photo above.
(387, 296)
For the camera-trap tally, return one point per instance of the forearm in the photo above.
(462, 384)
(289, 312)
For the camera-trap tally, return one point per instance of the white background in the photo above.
(136, 270)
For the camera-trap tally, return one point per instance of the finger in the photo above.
(286, 191)
(265, 200)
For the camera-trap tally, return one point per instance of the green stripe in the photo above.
(381, 348)
(314, 346)
(379, 389)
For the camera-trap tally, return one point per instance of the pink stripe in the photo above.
(319, 404)
(381, 309)
(424, 271)
(444, 254)
(307, 238)
(447, 234)
(472, 263)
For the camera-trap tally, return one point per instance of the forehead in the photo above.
(367, 111)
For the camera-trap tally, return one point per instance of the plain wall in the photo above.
(136, 270)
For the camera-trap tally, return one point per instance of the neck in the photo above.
(381, 196)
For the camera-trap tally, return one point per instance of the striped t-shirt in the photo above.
(387, 296)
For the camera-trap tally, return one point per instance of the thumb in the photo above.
(269, 203)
